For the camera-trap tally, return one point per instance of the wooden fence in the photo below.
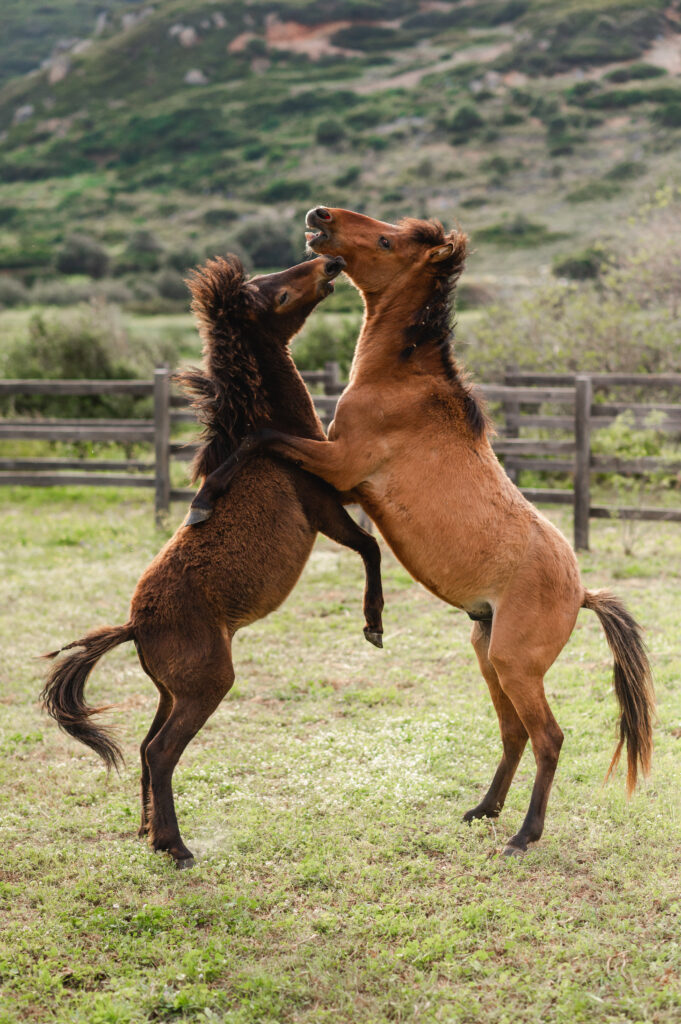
(565, 405)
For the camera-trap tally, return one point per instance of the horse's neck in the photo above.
(289, 398)
(382, 339)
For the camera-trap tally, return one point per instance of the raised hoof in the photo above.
(477, 813)
(184, 862)
(374, 638)
(197, 515)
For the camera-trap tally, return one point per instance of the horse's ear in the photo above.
(441, 252)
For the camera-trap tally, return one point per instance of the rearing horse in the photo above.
(410, 441)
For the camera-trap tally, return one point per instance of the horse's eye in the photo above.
(383, 242)
(283, 298)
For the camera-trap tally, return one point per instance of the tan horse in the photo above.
(410, 441)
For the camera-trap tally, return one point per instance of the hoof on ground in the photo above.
(512, 851)
(197, 515)
(374, 638)
(183, 863)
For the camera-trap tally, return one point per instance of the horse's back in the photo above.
(239, 565)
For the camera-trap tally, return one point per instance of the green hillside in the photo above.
(185, 128)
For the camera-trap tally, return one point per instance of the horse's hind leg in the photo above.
(165, 703)
(331, 519)
(200, 694)
(527, 693)
(513, 732)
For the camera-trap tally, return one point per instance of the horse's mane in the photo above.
(433, 324)
(229, 397)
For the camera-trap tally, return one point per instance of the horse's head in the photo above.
(381, 256)
(274, 304)
(284, 300)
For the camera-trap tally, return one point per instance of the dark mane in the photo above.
(229, 397)
(433, 324)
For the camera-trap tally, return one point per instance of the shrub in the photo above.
(669, 116)
(61, 293)
(12, 292)
(625, 170)
(634, 71)
(81, 254)
(223, 214)
(582, 266)
(267, 244)
(627, 321)
(282, 190)
(465, 120)
(593, 190)
(365, 37)
(349, 176)
(329, 132)
(519, 232)
(319, 342)
(170, 284)
(89, 344)
(142, 253)
(182, 259)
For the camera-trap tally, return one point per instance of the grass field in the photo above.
(335, 880)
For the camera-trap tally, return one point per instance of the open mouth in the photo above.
(315, 237)
(316, 230)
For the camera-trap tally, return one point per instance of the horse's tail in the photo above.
(632, 680)
(62, 695)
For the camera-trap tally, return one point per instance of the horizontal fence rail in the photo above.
(576, 405)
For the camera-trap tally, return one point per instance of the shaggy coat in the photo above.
(209, 581)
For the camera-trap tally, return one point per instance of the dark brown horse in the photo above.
(211, 580)
(410, 440)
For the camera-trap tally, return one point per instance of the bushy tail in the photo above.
(632, 680)
(62, 695)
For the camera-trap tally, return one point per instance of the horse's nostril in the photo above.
(322, 213)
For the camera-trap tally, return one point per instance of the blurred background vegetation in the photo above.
(136, 139)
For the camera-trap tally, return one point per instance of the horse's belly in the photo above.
(461, 544)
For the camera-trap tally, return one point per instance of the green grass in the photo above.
(335, 881)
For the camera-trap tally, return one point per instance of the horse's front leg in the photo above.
(330, 460)
(217, 482)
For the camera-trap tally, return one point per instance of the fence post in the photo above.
(162, 442)
(332, 381)
(583, 396)
(511, 421)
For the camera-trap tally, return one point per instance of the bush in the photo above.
(519, 233)
(365, 37)
(625, 170)
(318, 343)
(171, 286)
(142, 253)
(465, 121)
(182, 259)
(283, 190)
(61, 293)
(633, 72)
(268, 244)
(81, 254)
(669, 116)
(349, 176)
(90, 344)
(329, 132)
(626, 321)
(582, 266)
(12, 292)
(593, 190)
